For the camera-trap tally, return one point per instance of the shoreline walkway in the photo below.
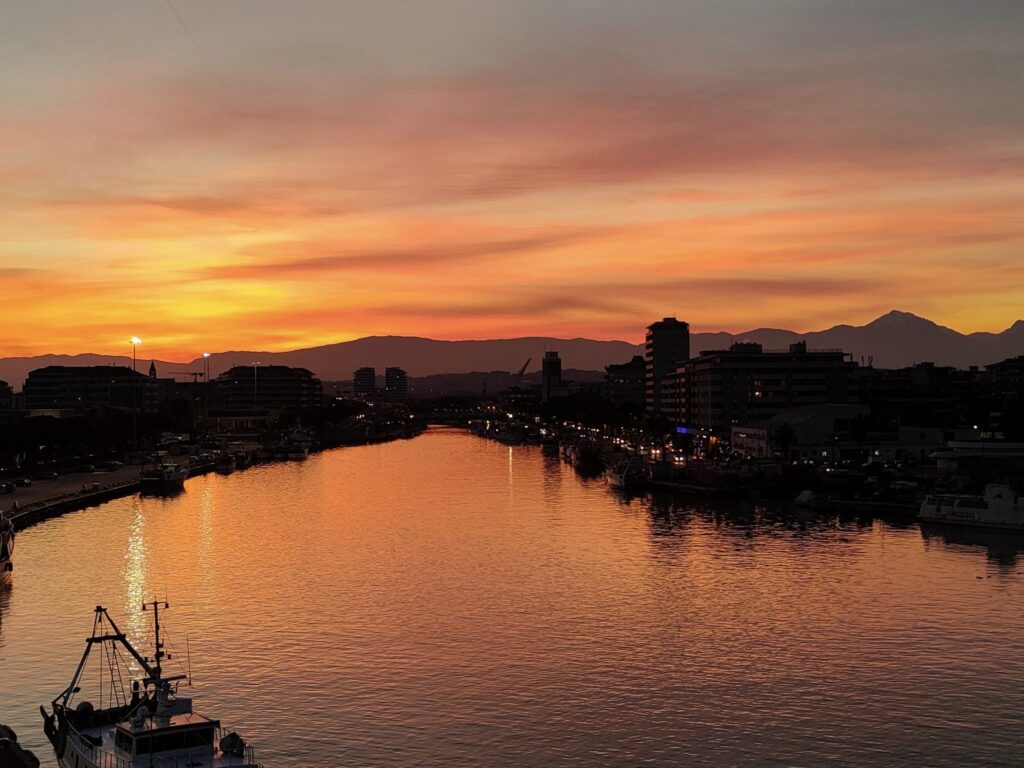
(45, 499)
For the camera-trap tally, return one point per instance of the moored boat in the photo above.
(163, 478)
(999, 507)
(148, 725)
(626, 473)
(225, 464)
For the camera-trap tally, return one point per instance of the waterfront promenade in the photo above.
(75, 490)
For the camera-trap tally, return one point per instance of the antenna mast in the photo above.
(159, 654)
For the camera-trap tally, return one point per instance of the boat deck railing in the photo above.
(249, 757)
(100, 757)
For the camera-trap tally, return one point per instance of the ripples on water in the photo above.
(450, 601)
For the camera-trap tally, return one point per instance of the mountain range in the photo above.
(894, 340)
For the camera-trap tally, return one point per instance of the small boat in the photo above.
(808, 499)
(225, 464)
(163, 478)
(148, 725)
(6, 544)
(626, 473)
(999, 507)
(296, 451)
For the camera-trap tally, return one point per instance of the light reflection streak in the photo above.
(136, 573)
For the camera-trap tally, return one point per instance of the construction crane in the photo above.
(519, 376)
(194, 374)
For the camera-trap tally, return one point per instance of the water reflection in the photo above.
(135, 573)
(1003, 548)
(491, 609)
(6, 587)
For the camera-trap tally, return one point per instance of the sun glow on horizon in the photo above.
(515, 179)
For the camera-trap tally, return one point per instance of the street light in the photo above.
(135, 341)
(255, 386)
(206, 378)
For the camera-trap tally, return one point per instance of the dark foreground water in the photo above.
(449, 601)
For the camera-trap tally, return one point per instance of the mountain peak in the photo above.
(899, 316)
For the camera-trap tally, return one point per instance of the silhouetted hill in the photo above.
(894, 340)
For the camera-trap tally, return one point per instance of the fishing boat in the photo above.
(6, 545)
(999, 507)
(163, 478)
(225, 464)
(627, 473)
(148, 724)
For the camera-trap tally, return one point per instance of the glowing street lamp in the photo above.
(135, 341)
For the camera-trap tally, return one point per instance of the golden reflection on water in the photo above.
(135, 573)
(448, 600)
(204, 537)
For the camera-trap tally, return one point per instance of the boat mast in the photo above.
(159, 646)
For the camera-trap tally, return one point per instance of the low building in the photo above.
(970, 464)
(827, 431)
(65, 387)
(748, 385)
(752, 442)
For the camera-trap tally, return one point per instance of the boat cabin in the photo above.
(183, 730)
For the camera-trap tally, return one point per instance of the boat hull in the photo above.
(969, 522)
(161, 487)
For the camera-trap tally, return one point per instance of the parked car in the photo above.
(6, 487)
(24, 482)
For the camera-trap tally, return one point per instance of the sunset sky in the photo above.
(269, 175)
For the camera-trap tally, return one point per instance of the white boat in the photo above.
(163, 478)
(999, 507)
(150, 725)
(626, 473)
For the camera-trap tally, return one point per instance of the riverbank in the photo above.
(45, 499)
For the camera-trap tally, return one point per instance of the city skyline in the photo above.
(238, 174)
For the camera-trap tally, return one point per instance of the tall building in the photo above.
(396, 384)
(745, 385)
(624, 383)
(550, 375)
(364, 382)
(667, 347)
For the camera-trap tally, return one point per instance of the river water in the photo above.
(450, 601)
